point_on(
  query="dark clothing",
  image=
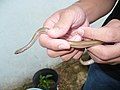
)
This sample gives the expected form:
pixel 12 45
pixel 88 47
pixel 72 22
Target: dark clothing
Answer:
pixel 98 79
pixel 109 68
pixel 104 77
pixel 115 14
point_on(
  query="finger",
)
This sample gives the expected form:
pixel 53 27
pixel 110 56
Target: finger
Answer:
pixel 61 27
pixel 53 53
pixel 50 22
pixel 106 52
pixel 78 55
pixel 103 34
pixel 54 44
pixel 68 56
pixel 96 59
pixel 111 61
pixel 114 61
pixel 66 20
pixel 113 23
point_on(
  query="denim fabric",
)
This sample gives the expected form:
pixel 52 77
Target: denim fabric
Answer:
pixel 98 79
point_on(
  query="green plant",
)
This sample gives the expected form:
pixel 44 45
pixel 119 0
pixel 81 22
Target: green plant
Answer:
pixel 45 82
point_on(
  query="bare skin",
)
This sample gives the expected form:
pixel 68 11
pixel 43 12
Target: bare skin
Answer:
pixel 68 20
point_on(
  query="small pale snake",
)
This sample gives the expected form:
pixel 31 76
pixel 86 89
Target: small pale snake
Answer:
pixel 74 44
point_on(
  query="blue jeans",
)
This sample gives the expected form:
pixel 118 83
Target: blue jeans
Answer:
pixel 103 77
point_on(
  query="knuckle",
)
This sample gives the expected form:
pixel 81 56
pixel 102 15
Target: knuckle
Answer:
pixel 115 22
pixel 73 10
pixel 69 12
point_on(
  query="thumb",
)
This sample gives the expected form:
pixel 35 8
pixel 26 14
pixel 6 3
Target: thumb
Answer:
pixel 103 34
pixel 62 26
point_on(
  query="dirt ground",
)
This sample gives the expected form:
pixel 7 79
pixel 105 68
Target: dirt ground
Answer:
pixel 72 75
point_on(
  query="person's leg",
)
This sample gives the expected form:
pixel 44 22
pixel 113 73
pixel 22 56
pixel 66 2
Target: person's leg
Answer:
pixel 98 80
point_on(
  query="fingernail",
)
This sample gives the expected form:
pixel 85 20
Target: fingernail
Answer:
pixel 81 32
pixel 76 38
pixel 63 46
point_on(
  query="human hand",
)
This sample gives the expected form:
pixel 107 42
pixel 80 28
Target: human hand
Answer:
pixel 110 34
pixel 62 25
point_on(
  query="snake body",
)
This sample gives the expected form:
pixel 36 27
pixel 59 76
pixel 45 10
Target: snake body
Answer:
pixel 74 44
pixel 32 41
